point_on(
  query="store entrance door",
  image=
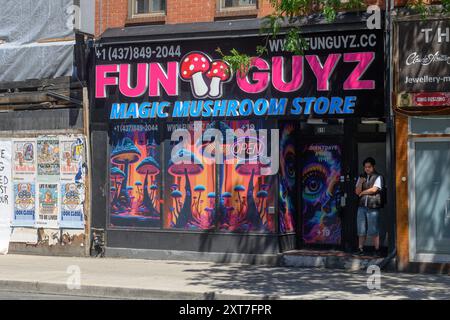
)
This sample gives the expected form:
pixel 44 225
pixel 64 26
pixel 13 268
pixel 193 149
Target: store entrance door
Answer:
pixel 321 193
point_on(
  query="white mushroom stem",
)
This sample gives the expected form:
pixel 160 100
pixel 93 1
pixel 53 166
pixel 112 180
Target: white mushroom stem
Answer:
pixel 214 90
pixel 199 85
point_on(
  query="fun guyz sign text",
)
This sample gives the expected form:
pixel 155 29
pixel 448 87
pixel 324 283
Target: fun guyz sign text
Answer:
pixel 278 85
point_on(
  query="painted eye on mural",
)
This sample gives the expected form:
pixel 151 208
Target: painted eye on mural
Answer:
pixel 313 181
pixel 290 165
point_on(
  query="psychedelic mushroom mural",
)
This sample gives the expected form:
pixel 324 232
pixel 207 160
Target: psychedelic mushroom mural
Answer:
pixel 138 185
pixel 261 195
pixel 199 189
pixel 252 169
pixel 148 167
pixel 228 207
pixel 176 195
pixel 210 210
pixel 116 176
pixel 239 188
pixel 112 192
pixel 153 190
pixel 187 165
pixel 124 154
pixel 201 217
pixel 134 168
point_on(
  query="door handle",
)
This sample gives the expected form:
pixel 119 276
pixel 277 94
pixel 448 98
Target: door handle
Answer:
pixel 343 200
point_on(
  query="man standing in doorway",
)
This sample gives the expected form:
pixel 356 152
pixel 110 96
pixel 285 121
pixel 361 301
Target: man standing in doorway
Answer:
pixel 368 188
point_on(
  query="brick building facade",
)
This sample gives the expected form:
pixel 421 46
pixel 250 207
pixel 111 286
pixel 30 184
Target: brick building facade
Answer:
pixel 112 14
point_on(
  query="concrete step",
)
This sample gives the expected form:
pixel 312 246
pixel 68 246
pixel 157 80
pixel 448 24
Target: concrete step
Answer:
pixel 327 259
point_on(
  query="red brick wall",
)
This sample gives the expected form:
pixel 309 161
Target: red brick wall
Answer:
pixel 114 13
pixel 188 11
pixel 110 14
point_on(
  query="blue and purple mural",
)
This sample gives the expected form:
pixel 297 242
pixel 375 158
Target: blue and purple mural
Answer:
pixel 321 193
pixel 287 178
pixel 134 176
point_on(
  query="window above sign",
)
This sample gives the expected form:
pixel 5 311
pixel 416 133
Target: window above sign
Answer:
pixel 146 7
pixel 236 8
pixel 237 4
pixel 146 11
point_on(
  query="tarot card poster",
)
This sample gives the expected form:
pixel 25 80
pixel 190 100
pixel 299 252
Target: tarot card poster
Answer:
pixel 24 153
pixel 72 215
pixel 24 204
pixel 71 156
pixel 48 205
pixel 48 158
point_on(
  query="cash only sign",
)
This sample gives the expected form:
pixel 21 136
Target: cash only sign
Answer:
pixel 340 75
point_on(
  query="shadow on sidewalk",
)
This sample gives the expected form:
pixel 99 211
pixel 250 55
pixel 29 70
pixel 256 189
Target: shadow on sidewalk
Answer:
pixel 323 283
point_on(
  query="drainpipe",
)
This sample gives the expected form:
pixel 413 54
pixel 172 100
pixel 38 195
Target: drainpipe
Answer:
pixel 389 43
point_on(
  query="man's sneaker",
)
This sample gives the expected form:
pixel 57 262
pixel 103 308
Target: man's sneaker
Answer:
pixel 359 252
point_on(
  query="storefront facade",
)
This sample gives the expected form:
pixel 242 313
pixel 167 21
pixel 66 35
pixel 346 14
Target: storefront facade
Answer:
pixel 293 132
pixel 422 106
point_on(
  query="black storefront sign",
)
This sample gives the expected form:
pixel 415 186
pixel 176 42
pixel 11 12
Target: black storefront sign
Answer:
pixel 341 75
pixel 423 64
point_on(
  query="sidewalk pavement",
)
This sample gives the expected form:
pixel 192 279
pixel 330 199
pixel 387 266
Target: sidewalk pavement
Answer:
pixel 151 279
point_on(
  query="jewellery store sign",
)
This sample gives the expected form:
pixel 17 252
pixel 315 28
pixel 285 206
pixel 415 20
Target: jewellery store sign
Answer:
pixel 423 63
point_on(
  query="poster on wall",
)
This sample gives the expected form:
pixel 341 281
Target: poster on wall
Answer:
pixel 24 153
pixel 321 193
pixel 6 197
pixel 24 214
pixel 135 179
pixel 287 178
pixel 48 158
pixel 48 205
pixel 190 195
pixel 71 156
pixel 72 215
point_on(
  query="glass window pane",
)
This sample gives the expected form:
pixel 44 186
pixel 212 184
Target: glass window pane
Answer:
pixel 142 6
pixel 432 194
pixel 149 6
pixel 237 3
pixel 430 125
pixel 158 5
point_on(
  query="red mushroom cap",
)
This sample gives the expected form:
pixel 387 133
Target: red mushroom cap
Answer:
pixel 219 69
pixel 193 63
